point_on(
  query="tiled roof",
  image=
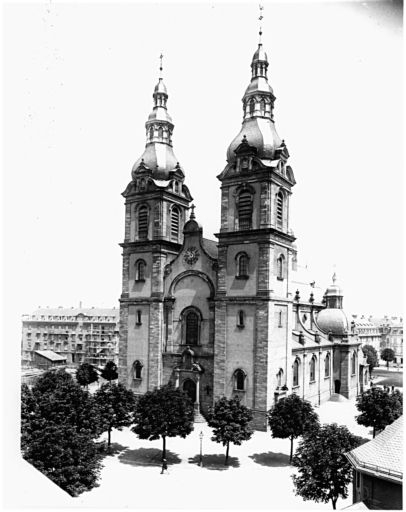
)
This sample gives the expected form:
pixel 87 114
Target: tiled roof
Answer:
pixel 383 455
pixel 48 354
pixel 211 247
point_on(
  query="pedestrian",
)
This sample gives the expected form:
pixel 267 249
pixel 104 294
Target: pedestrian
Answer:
pixel 164 467
pixel 393 389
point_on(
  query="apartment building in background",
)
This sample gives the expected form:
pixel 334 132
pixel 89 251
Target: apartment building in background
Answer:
pixel 80 334
pixel 367 332
pixel 391 332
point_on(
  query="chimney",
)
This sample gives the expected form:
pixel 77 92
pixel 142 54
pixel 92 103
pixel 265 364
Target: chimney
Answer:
pixel 80 305
pixel 354 316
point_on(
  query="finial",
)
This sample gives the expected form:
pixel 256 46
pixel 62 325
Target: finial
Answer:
pixel 261 8
pixel 160 67
pixel 192 215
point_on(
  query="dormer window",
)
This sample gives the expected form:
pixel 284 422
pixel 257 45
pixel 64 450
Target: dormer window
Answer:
pixel 244 163
pixel 143 185
pixel 176 187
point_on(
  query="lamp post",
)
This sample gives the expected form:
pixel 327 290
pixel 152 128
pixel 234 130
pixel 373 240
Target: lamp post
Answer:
pixel 201 456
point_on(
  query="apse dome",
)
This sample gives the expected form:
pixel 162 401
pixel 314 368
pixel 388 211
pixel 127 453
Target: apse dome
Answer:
pixel 334 320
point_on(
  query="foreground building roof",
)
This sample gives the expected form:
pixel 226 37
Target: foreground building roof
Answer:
pixel 383 456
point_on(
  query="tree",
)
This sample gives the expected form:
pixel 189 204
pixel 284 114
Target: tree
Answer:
pixel 388 355
pixel 109 372
pixel 164 412
pixel 116 405
pixel 59 425
pixel 86 374
pixel 379 408
pixel 324 471
pixel 291 417
pixel 230 419
pixel 371 356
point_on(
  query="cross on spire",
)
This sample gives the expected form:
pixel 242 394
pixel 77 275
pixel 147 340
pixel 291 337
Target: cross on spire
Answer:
pixel 160 67
pixel 261 8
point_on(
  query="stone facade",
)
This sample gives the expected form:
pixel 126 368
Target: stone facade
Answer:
pixel 226 318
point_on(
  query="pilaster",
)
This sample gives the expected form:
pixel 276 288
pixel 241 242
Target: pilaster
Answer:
pixel 219 371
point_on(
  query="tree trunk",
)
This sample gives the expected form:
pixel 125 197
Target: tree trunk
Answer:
pixel 291 449
pixel 334 501
pixel 164 448
pixel 109 437
pixel 373 435
pixel 228 448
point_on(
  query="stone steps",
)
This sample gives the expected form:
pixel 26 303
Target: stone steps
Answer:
pixel 336 397
pixel 199 418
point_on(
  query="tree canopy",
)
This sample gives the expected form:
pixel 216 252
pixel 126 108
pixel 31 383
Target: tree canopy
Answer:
pixel 379 408
pixel 323 470
pixel 291 417
pixel 109 372
pixel 230 419
pixel 116 405
pixel 371 356
pixel 164 412
pixel 388 355
pixel 59 425
pixel 86 374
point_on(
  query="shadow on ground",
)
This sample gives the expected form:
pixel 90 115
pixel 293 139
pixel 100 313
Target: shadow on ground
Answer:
pixel 115 448
pixel 215 461
pixel 147 456
pixel 271 459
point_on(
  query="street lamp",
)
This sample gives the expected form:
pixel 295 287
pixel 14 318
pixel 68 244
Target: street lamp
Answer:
pixel 201 456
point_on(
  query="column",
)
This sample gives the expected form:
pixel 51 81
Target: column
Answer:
pixel 197 403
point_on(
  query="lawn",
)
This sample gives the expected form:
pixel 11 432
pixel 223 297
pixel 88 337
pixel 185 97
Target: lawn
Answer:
pixel 385 378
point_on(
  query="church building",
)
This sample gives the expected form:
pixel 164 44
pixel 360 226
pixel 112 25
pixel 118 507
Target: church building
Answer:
pixel 235 316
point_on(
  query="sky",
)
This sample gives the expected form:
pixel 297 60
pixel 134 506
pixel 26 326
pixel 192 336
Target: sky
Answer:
pixel 78 84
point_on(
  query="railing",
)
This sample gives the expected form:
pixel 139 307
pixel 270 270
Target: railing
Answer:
pixel 377 469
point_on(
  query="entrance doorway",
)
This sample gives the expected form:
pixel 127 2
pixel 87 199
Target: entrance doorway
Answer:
pixel 190 387
pixel 337 385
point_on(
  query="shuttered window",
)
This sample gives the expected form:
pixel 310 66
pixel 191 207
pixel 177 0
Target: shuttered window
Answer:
pixel 245 210
pixel 143 222
pixel 279 210
pixel 175 224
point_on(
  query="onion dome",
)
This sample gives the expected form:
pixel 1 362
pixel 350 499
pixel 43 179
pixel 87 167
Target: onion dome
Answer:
pixel 258 104
pixel 158 155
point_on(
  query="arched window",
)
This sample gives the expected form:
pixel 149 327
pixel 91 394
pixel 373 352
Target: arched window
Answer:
pixel 151 133
pixel 280 266
pixel 192 328
pixel 239 380
pixel 279 210
pixel 143 220
pixel 313 369
pixel 353 361
pixel 245 210
pixel 244 163
pixel 296 373
pixel 242 265
pixel 140 270
pixel 138 317
pixel 143 186
pixel 160 133
pixel 262 107
pixel 137 368
pixel 175 224
pixel 327 366
pixel 240 318
pixel 176 187
pixel 252 107
pixel 279 377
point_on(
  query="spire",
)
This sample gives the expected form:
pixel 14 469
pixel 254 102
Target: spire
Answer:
pixel 158 155
pixel 258 105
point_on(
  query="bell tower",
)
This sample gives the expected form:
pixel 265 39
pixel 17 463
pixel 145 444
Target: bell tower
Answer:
pixel 156 210
pixel 256 253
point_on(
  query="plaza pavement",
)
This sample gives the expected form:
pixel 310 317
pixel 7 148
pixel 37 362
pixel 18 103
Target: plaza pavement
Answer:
pixel 258 475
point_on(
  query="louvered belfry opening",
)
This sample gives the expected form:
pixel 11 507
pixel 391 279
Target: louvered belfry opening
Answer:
pixel 245 210
pixel 143 223
pixel 279 210
pixel 175 224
